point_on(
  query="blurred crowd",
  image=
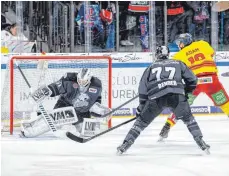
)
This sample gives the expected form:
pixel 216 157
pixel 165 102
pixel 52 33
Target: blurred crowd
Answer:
pixel 121 26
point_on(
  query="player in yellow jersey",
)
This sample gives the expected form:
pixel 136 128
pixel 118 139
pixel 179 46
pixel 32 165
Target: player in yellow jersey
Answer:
pixel 198 56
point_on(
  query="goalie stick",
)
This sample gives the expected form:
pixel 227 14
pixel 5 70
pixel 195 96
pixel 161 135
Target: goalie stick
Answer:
pixel 47 118
pixel 84 140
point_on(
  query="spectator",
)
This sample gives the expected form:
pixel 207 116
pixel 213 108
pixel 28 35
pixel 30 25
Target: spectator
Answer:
pixel 180 17
pixel 10 33
pixel 175 13
pixel 200 16
pixel 140 9
pixel 124 28
pixel 15 42
pixel 109 20
pixel 95 23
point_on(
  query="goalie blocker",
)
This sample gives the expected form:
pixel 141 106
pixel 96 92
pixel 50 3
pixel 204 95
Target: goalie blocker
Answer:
pixel 80 91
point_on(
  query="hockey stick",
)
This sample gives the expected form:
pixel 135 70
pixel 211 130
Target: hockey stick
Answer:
pixel 84 140
pixel 47 118
pixel 120 106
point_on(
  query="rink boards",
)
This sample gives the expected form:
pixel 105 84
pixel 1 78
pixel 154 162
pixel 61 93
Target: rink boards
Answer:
pixel 127 69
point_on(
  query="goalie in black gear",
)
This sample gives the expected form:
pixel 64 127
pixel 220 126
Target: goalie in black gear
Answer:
pixel 79 100
pixel 161 86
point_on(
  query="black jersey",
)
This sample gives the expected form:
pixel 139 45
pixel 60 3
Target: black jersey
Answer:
pixel 165 76
pixel 68 89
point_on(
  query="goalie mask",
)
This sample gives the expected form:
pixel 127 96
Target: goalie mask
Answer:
pixel 84 79
pixel 162 52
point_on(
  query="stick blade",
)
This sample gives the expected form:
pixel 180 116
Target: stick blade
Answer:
pixel 75 138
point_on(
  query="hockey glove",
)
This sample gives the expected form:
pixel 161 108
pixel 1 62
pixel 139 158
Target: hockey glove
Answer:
pixel 189 89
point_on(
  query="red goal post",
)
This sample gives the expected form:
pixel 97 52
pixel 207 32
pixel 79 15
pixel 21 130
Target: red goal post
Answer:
pixel 41 70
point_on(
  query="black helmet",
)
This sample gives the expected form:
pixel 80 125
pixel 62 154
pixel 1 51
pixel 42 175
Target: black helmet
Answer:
pixel 162 52
pixel 184 40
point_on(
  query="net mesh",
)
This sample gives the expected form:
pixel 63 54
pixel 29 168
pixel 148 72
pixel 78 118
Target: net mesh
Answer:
pixel 43 72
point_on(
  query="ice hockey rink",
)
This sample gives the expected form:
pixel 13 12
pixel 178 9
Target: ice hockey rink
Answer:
pixel 178 155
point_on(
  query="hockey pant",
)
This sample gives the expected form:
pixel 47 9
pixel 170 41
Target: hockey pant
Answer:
pixel 179 105
pixel 211 86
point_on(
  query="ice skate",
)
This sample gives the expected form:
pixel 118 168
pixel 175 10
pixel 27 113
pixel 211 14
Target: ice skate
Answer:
pixel 164 132
pixel 203 146
pixel 124 147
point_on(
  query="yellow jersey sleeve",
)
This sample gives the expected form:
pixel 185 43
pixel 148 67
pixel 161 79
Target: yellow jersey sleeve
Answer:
pixel 207 48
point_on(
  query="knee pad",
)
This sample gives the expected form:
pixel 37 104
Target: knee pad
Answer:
pixel 183 111
pixel 188 120
pixel 135 131
pixel 194 128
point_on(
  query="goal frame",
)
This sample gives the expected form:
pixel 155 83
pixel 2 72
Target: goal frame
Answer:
pixel 63 57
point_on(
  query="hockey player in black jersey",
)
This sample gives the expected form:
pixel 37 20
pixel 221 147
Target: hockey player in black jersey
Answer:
pixel 161 87
pixel 79 99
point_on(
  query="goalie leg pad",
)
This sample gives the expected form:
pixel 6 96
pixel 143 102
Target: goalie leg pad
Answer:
pixel 37 125
pixel 64 116
pixel 92 126
pixel 34 128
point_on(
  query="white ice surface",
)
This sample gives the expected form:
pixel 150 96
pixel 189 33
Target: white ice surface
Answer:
pixel 179 155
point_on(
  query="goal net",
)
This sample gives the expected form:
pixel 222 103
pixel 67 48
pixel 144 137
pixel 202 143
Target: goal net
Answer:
pixel 43 70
